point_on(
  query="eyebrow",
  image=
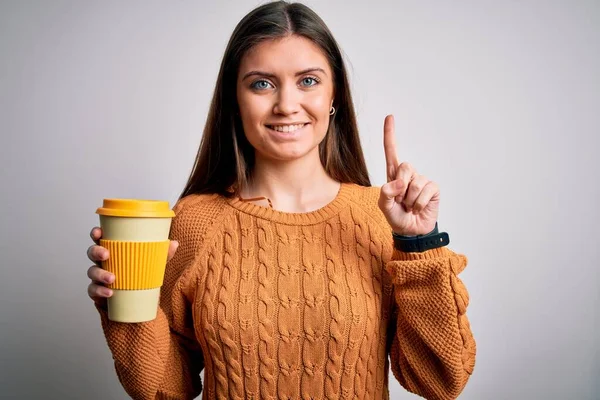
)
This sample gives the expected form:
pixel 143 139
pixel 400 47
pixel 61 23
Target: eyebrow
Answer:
pixel 268 75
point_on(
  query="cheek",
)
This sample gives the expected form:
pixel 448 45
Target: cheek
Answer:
pixel 319 103
pixel 253 110
pixel 318 107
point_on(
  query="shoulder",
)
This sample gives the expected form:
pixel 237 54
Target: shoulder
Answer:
pixel 195 214
pixel 364 196
pixel 199 204
pixel 364 202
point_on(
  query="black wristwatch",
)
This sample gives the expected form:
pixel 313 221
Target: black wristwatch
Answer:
pixel 421 243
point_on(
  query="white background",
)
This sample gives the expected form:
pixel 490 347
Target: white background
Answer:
pixel 498 102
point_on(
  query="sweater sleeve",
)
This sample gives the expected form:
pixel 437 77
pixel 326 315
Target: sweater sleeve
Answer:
pixel 161 359
pixel 433 350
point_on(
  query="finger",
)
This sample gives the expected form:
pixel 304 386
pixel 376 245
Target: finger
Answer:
pixel 391 190
pixel 97 254
pixel 389 146
pixel 387 193
pixel 431 192
pixel 100 275
pixel 404 174
pixel 96 234
pixel 414 190
pixel 172 249
pixel 97 292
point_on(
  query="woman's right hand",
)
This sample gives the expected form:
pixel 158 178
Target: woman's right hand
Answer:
pixel 97 289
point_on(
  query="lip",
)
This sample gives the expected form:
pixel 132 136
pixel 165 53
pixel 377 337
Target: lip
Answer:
pixel 287 123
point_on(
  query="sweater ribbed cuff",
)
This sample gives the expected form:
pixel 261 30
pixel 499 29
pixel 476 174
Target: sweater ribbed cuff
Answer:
pixel 103 311
pixel 426 255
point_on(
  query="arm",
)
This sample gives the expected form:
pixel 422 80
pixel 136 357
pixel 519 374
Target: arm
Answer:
pixel 433 350
pixel 161 359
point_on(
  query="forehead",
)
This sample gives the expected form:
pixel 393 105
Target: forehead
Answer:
pixel 289 54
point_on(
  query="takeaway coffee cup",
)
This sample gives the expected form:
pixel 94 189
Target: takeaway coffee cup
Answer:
pixel 136 234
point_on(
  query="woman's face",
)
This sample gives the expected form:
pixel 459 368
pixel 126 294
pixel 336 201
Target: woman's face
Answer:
pixel 285 92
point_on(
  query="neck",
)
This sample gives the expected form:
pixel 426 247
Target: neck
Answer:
pixel 300 185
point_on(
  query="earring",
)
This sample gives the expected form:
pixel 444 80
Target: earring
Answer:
pixel 332 110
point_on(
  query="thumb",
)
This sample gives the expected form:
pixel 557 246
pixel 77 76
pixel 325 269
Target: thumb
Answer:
pixel 172 249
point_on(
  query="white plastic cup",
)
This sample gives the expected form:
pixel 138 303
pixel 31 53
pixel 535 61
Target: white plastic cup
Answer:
pixel 136 234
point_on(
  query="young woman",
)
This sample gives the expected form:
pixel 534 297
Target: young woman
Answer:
pixel 289 277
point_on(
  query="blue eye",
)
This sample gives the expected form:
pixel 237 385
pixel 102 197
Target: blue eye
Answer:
pixel 261 84
pixel 309 81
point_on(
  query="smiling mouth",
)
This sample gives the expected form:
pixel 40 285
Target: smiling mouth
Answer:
pixel 286 128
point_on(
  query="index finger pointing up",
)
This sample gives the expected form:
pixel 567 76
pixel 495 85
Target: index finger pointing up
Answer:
pixel 389 145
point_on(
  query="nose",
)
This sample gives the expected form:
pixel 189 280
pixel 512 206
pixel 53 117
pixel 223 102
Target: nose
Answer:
pixel 287 100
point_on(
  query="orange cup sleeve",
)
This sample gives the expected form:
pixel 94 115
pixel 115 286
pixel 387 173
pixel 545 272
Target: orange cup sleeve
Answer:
pixel 136 265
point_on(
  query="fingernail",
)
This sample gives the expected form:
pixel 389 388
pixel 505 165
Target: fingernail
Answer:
pixel 108 292
pixel 109 279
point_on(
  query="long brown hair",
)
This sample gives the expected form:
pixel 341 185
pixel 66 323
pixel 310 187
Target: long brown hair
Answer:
pixel 225 158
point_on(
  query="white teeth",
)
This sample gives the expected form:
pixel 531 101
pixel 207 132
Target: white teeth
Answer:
pixel 287 128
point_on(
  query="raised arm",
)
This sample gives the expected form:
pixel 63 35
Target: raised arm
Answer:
pixel 433 350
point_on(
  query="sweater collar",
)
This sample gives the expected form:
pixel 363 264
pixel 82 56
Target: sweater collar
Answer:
pixel 307 218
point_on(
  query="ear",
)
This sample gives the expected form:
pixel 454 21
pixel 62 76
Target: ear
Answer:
pixel 332 97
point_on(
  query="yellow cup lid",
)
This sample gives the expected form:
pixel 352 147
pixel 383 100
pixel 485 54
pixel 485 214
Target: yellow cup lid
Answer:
pixel 135 208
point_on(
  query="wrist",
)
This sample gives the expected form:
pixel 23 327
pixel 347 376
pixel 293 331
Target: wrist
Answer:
pixel 402 235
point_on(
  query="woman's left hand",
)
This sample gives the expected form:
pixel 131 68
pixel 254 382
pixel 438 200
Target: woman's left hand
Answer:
pixel 409 201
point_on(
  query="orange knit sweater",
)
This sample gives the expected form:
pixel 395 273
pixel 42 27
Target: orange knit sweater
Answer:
pixel 317 305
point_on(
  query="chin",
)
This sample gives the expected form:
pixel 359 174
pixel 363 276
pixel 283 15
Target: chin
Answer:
pixel 289 153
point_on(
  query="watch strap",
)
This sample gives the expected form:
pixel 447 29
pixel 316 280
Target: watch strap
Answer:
pixel 421 243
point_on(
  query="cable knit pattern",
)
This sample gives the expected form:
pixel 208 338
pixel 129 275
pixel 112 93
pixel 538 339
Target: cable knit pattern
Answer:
pixel 313 284
pixel 210 336
pixel 247 307
pixel 289 317
pixel 337 305
pixel 363 372
pixel 357 310
pixel 266 312
pixel 276 305
pixel 226 312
